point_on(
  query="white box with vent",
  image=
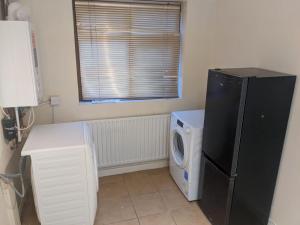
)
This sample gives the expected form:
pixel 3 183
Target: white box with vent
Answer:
pixel 20 82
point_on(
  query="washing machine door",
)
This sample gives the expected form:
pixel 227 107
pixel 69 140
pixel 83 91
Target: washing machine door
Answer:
pixel 179 147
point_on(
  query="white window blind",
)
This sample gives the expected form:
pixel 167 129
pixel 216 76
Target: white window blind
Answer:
pixel 127 50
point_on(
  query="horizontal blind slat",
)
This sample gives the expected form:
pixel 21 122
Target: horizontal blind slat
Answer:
pixel 128 50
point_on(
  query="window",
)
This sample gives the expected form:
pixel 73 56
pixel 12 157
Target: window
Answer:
pixel 127 50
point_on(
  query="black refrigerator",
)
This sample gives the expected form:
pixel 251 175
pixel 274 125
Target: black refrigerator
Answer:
pixel 246 117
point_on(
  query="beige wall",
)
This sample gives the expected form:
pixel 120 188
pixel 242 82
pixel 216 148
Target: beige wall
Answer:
pixel 5 207
pixel 230 33
pixel 265 33
pixel 5 155
pixel 5 152
pixel 54 25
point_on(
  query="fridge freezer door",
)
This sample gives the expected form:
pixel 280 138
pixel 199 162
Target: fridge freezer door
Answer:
pixel 217 193
pixel 224 102
pixel 264 126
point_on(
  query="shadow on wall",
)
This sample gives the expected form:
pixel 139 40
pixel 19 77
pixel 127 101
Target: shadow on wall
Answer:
pixel 2 9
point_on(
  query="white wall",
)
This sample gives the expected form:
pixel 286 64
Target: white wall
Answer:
pixel 54 25
pixel 265 33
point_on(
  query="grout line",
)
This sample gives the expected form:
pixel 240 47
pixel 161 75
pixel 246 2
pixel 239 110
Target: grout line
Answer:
pixel 131 200
pixel 131 196
pixel 173 219
pixel 133 206
pixel 121 221
pixel 163 202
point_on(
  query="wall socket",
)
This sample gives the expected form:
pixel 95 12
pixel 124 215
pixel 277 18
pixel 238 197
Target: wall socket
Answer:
pixel 55 100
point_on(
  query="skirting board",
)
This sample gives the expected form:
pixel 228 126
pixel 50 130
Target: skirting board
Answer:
pixel 132 167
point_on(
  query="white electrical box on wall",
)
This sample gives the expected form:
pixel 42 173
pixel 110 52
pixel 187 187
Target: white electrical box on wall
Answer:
pixel 20 81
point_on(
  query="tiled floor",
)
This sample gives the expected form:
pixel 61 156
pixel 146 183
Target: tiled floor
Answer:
pixel 141 198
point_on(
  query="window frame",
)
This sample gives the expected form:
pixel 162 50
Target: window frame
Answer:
pixel 117 100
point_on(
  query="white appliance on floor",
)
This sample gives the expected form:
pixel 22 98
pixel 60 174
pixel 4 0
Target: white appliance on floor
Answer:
pixel 185 145
pixel 64 173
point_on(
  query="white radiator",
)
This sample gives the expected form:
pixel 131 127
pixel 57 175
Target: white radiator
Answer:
pixel 131 140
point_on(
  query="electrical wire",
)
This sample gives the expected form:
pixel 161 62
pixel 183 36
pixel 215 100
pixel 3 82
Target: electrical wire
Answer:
pixel 4 113
pixel 53 114
pixel 8 178
pixel 31 120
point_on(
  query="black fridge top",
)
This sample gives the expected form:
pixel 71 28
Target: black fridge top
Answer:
pixel 251 72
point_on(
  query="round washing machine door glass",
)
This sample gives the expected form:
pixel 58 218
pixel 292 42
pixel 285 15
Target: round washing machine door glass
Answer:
pixel 179 148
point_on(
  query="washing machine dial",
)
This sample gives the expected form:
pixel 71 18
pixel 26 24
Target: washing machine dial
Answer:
pixel 187 130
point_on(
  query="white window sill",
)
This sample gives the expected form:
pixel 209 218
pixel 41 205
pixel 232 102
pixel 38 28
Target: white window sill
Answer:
pixel 112 101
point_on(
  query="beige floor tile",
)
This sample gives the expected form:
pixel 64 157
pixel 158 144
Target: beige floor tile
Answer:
pixel 30 222
pixel 198 211
pixel 189 216
pixel 117 207
pixel 140 188
pixel 139 175
pixel 113 210
pixel 159 171
pixel 163 182
pixel 148 204
pixel 111 179
pixel 113 190
pixel 29 216
pixel 30 219
pixel 174 199
pixel 128 222
pixel 139 183
pixel 157 219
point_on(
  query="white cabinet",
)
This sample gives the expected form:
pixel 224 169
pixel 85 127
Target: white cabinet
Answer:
pixel 20 81
pixel 64 173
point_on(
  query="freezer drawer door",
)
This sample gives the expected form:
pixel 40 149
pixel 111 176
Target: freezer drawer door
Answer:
pixel 217 194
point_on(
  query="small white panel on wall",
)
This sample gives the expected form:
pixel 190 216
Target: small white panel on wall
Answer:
pixel 20 83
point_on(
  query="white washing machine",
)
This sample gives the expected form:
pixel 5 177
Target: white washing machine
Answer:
pixel 185 156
